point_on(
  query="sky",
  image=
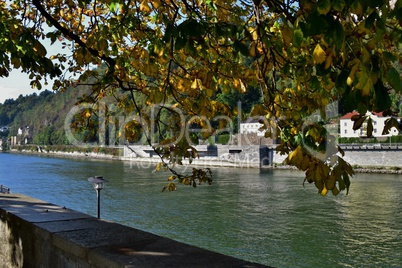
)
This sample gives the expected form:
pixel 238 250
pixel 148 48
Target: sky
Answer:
pixel 17 83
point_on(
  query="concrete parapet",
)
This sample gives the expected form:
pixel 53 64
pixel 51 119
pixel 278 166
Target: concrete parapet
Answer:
pixel 34 233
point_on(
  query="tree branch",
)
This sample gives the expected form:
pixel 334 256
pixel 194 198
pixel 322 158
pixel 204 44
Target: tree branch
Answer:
pixel 111 62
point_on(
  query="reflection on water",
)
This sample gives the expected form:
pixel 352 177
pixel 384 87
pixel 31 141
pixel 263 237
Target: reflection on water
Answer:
pixel 262 216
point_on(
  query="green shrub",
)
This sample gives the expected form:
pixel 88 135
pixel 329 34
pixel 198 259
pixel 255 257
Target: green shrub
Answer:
pixel 223 138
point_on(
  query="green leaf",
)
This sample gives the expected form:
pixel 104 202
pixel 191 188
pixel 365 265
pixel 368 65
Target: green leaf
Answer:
pixel 338 5
pixel 340 82
pixel 394 79
pixel 241 47
pixel 314 25
pixel 113 7
pixel 314 83
pixel 335 191
pixel 369 22
pixel 382 100
pixel 357 7
pixel 324 6
pixel 180 43
pixel 171 31
pixel 339 35
pixel 297 37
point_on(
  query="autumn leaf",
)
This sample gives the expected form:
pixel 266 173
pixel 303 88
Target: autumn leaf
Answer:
pixel 197 56
pixel 319 54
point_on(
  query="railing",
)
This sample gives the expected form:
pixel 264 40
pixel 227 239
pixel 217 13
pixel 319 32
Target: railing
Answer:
pixel 371 146
pixel 4 189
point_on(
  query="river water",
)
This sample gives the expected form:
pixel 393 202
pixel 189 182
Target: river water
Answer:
pixel 263 216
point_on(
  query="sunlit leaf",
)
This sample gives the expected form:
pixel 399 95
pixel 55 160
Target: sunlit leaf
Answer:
pixel 319 54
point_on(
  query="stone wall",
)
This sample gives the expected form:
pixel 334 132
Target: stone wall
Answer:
pixel 249 156
pixel 374 158
pixel 34 233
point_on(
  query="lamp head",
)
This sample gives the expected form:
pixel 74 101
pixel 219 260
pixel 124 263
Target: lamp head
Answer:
pixel 97 182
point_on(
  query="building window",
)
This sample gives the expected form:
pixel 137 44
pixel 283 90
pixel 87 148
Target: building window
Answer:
pixel 346 131
pixel 345 124
pixel 375 122
pixel 375 130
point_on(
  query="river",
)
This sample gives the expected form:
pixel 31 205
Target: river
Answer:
pixel 263 216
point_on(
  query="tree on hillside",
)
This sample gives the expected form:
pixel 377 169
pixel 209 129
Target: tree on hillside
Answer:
pixel 302 55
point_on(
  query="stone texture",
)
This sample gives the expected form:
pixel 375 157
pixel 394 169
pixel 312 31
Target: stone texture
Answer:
pixel 34 233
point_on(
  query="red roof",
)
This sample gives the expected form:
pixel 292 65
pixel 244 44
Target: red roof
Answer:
pixel 349 115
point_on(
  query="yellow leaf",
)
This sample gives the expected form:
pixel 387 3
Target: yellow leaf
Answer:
pixel 296 156
pixel 319 54
pixel 349 81
pixel 159 166
pixel 324 191
pixel 259 110
pixel 158 49
pixel 242 86
pixel 156 3
pixel 236 83
pixel 194 85
pixel 144 7
pixel 254 33
pixel 253 50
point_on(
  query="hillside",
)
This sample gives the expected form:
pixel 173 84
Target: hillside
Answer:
pixel 41 117
pixel 42 113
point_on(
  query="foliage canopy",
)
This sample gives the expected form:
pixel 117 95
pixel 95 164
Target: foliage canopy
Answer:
pixel 302 55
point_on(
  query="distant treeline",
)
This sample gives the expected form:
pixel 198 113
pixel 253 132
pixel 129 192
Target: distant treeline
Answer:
pixel 44 113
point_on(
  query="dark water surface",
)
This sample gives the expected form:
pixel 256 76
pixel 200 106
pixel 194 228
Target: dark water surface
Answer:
pixel 258 215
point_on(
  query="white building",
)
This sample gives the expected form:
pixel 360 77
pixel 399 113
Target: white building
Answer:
pixel 346 126
pixel 251 126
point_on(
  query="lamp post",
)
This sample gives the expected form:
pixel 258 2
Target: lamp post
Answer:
pixel 97 183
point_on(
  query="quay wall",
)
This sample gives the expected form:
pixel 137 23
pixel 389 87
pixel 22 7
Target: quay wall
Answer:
pixel 256 156
pixel 34 233
pixel 374 158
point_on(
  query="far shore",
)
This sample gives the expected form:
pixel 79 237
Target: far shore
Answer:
pixel 204 161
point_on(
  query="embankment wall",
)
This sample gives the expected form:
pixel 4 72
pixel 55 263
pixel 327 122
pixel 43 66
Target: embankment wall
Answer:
pixel 374 158
pixel 34 233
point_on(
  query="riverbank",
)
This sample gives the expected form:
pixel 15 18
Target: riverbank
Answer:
pixel 230 162
pixel 70 152
pixel 35 233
